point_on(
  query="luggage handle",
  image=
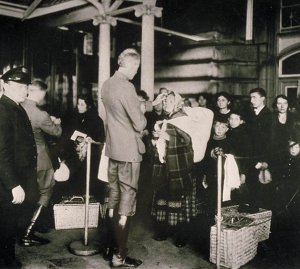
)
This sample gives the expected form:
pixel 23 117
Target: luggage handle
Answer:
pixel 74 198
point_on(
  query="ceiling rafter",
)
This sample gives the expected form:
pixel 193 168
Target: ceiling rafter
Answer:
pixel 31 8
pixel 115 5
pixel 6 3
pixel 167 31
pixel 84 14
pixel 42 11
pixel 106 4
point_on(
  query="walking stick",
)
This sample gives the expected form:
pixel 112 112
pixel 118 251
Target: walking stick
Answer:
pixel 77 247
pixel 219 210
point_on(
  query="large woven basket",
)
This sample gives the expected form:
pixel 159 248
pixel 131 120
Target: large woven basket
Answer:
pixel 71 215
pixel 237 246
pixel 261 220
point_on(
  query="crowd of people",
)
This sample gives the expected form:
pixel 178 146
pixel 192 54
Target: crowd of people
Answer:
pixel 180 140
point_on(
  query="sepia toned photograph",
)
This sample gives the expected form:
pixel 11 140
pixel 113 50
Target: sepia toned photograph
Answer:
pixel 152 134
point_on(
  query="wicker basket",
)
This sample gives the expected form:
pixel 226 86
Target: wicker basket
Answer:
pixel 70 214
pixel 237 246
pixel 261 224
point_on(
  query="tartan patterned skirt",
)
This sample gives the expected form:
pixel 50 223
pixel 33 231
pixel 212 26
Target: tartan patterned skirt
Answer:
pixel 174 212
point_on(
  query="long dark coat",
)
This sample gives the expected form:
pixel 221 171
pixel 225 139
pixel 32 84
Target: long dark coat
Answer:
pixel 18 155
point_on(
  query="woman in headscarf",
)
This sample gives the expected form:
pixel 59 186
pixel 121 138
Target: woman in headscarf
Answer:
pixel 174 185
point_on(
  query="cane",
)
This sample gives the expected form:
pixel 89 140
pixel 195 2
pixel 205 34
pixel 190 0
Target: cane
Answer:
pixel 77 247
pixel 219 217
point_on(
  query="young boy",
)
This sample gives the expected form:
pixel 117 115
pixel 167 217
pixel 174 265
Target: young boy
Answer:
pixel 240 148
pixel 217 145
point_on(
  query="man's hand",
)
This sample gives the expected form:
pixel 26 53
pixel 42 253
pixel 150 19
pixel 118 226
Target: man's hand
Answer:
pixel 18 195
pixel 56 121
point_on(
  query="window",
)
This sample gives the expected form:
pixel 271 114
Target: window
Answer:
pixel 289 66
pixel 290 14
pixel 291 92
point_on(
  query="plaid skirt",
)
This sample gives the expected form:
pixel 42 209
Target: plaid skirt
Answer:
pixel 174 212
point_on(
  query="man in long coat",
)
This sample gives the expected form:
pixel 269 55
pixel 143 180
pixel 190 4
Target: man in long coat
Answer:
pixel 18 157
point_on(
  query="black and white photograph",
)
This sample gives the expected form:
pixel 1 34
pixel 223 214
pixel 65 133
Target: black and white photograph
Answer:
pixel 151 134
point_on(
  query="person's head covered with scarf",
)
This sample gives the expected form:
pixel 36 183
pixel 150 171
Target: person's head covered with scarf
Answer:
pixel 173 103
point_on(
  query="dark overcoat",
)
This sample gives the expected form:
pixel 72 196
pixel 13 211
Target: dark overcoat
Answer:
pixel 18 154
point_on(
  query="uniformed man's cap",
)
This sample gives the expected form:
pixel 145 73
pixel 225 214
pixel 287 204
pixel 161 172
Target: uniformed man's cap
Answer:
pixel 18 74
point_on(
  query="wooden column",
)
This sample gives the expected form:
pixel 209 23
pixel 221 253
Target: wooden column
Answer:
pixel 249 21
pixel 104 64
pixel 104 56
pixel 148 12
pixel 147 57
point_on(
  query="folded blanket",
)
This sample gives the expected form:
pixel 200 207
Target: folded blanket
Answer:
pixel 197 124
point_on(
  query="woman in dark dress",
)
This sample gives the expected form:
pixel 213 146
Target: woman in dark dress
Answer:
pixel 223 106
pixel 282 125
pixel 84 119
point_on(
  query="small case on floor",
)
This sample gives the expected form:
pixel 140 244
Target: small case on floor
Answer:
pixel 70 213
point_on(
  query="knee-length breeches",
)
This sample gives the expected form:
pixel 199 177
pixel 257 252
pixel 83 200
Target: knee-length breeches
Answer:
pixel 123 184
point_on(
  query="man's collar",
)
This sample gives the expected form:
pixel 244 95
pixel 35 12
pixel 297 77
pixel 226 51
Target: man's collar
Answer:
pixel 258 109
pixel 10 98
pixel 31 100
pixel 122 73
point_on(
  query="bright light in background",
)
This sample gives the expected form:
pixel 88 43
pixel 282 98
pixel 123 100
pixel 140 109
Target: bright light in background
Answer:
pixel 64 28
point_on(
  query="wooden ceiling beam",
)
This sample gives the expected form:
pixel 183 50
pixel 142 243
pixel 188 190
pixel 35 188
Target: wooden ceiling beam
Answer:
pixel 106 4
pixel 6 3
pixel 122 10
pixel 196 38
pixel 31 8
pixel 115 5
pixel 11 12
pixel 42 11
pixel 84 14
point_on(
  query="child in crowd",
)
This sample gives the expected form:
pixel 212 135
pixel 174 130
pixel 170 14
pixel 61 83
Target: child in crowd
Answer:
pixel 240 148
pixel 286 208
pixel 286 178
pixel 217 145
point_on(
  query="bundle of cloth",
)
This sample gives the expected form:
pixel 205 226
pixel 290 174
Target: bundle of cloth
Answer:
pixel 197 123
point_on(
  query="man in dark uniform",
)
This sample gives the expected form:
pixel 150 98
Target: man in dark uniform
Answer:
pixel 18 184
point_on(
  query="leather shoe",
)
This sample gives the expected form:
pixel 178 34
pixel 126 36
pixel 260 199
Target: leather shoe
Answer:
pixel 160 237
pixel 127 262
pixel 33 240
pixel 179 243
pixel 108 254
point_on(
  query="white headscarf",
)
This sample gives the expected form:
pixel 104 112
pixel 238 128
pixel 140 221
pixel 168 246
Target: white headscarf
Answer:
pixel 178 102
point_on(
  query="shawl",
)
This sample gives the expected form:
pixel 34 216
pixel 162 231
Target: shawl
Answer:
pixel 176 173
